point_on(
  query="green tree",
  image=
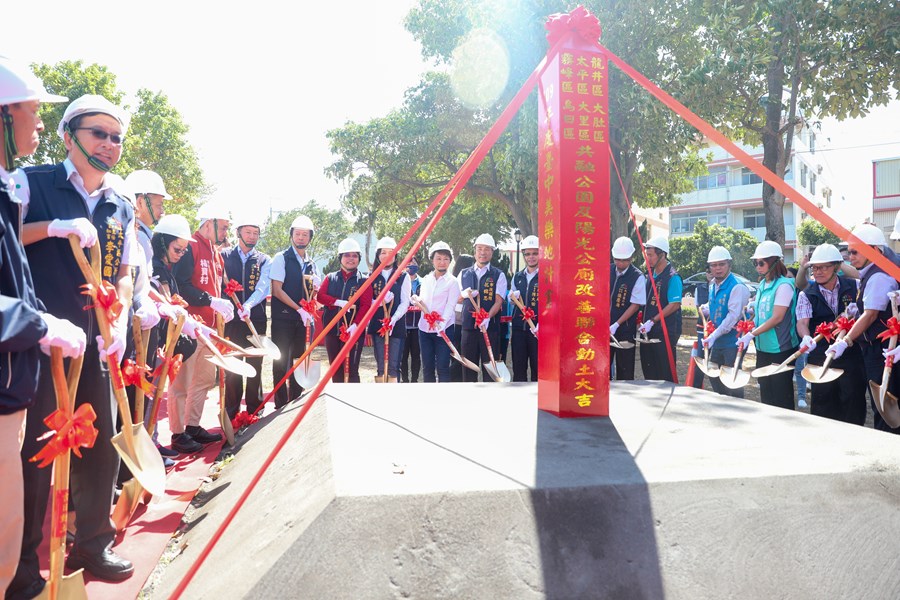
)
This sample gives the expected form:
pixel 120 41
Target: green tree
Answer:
pixel 689 252
pixel 812 233
pixel 779 64
pixel 331 227
pixel 156 138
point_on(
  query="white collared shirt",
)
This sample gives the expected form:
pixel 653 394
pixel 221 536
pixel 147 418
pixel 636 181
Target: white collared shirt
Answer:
pixel 440 294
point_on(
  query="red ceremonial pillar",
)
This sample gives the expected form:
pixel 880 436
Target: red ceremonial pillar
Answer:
pixel 574 230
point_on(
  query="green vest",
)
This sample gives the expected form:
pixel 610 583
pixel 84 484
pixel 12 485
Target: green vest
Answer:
pixel 783 336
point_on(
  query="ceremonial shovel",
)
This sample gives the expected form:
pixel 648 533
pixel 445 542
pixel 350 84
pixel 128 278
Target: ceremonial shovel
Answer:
pixel 350 311
pixel 704 365
pixel 67 587
pixel 889 411
pixel 823 374
pixel 224 421
pixel 497 371
pixel 260 341
pixel 735 377
pixel 141 341
pixel 133 443
pixel 784 367
pixel 453 351
pixel 386 311
pixel 642 338
pixel 309 373
pixel 229 363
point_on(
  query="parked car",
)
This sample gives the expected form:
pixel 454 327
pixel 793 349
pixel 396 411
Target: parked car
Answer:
pixel 691 283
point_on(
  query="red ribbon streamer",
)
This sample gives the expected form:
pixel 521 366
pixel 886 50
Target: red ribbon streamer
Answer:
pixel 67 433
pixel 579 21
pixel 481 316
pixel 744 327
pixel 893 329
pixel 135 375
pixel 825 330
pixel 433 318
pixel 233 286
pixel 174 365
pixel 243 419
pixel 385 327
pixel 106 297
pixel 343 334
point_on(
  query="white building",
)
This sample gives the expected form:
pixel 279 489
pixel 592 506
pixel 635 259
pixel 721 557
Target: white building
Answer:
pixel 731 194
pixel 886 194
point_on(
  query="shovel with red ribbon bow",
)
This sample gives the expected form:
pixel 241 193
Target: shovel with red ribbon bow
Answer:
pixel 497 371
pixel 709 369
pixel 735 377
pixel 824 373
pixel 260 341
pixel 885 402
pixel 344 336
pixel 433 319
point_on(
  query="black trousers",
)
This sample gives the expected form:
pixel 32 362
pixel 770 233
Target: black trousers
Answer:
pixel 655 361
pixel 474 348
pixel 334 345
pixel 524 354
pixel 290 337
pixel 874 365
pixel 237 331
pixel 843 399
pixel 624 360
pixel 776 390
pixel 92 477
pixel 412 357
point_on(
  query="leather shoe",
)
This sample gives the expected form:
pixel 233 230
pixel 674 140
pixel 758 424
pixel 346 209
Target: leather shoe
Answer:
pixel 166 452
pixel 201 435
pixel 106 565
pixel 185 444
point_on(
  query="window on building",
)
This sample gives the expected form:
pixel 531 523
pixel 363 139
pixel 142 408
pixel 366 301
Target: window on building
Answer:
pixel 718 177
pixel 812 142
pixel 812 183
pixel 748 177
pixel 803 171
pixel 685 222
pixel 754 217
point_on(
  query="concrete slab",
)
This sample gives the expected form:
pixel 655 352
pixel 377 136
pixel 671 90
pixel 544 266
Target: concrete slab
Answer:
pixel 466 490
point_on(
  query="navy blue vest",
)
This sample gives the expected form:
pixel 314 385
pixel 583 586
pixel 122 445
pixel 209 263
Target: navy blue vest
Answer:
pixel 342 290
pixel 247 274
pixel 870 335
pixel 413 314
pixel 57 278
pixel 673 321
pixel 620 299
pixel 530 299
pixel 375 324
pixel 294 286
pixel 822 313
pixel 487 290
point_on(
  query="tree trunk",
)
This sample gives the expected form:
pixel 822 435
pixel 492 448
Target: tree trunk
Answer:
pixel 773 148
pixel 619 215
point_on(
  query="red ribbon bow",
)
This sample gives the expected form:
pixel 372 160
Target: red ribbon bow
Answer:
pixel 309 306
pixel 579 21
pixel 433 318
pixel 824 329
pixel 528 314
pixel 343 335
pixel 67 433
pixel 844 324
pixel 233 286
pixel 893 329
pixel 744 327
pixel 710 327
pixel 481 316
pixel 174 365
pixel 134 375
pixel 385 327
pixel 177 300
pixel 106 297
pixel 243 419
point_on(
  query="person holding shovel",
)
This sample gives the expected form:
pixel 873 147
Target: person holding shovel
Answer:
pixel 654 356
pixel 524 339
pixel 397 303
pixel 250 268
pixel 334 293
pixel 873 301
pixel 484 287
pixel 627 294
pixel 438 295
pixel 76 197
pixel 822 302
pixel 727 299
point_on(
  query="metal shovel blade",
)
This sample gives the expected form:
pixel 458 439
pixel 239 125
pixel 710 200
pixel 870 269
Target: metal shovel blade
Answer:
pixel 820 374
pixel 773 369
pixel 234 365
pixel 252 352
pixel 227 428
pixel 129 500
pixel 733 378
pixel 308 373
pixel 71 587
pixel 266 344
pixel 147 466
pixel 466 362
pixel 621 345
pixel 708 369
pixel 889 409
pixel 503 371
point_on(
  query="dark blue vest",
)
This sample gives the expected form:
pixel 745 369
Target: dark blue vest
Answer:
pixel 822 313
pixel 413 314
pixel 57 278
pixel 673 321
pixel 530 298
pixel 294 286
pixel 621 288
pixel 487 290
pixel 375 324
pixel 247 274
pixel 342 290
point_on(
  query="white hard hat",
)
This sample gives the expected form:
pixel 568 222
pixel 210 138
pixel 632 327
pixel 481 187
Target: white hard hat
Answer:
pixel 659 242
pixel 19 84
pixel 91 103
pixel 386 243
pixel 895 235
pixel 768 249
pixel 174 225
pixel 718 253
pixel 870 234
pixel 119 186
pixel 485 239
pixel 349 245
pixel 531 243
pixel 825 253
pixel 440 246
pixel 248 222
pixel 212 210
pixel 623 248
pixel 303 222
pixel 143 181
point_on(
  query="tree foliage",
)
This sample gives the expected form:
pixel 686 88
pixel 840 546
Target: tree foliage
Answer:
pixel 331 227
pixel 689 252
pixel 156 138
pixel 812 233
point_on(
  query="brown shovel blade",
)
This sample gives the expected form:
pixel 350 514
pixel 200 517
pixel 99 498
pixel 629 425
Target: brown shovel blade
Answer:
pixel 466 362
pixel 266 344
pixel 227 428
pixel 733 378
pixel 708 369
pixel 769 370
pixel 308 373
pixel 233 365
pixel 820 374
pixel 71 587
pixel 889 409
pixel 129 500
pixel 147 465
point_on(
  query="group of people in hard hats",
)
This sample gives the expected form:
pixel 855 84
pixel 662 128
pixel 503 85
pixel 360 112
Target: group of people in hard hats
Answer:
pixel 836 311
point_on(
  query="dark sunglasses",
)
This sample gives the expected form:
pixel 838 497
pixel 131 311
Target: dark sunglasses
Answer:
pixel 853 252
pixel 101 135
pixel 760 263
pixel 179 251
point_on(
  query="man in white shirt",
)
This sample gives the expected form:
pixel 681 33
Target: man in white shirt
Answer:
pixel 439 294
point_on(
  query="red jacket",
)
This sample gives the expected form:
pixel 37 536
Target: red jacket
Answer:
pixel 207 276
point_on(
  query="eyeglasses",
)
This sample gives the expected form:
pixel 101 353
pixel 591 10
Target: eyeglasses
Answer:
pixel 101 135
pixel 853 252
pixel 760 263
pixel 816 268
pixel 179 251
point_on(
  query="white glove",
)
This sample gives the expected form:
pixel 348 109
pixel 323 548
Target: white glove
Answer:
pixel 646 326
pixel 613 328
pixel 389 297
pixel 837 348
pixel 894 296
pixel 704 308
pixel 467 293
pixel 710 339
pixel 351 329
pixel 534 330
pixel 744 340
pixel 485 324
pixel 62 334
pixel 807 345
pixel 192 327
pixel 852 310
pixel 414 299
pixel 116 347
pixel 81 227
pixel 243 312
pixel 305 317
pixel 515 294
pixel 223 307
pixel 148 314
pixel 340 303
pixel 892 354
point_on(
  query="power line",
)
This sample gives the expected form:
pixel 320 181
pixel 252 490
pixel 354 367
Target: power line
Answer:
pixel 846 148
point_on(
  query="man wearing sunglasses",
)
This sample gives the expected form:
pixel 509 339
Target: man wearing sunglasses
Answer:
pixel 525 288
pixel 77 197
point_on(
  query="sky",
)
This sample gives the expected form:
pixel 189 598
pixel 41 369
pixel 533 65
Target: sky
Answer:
pixel 260 87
